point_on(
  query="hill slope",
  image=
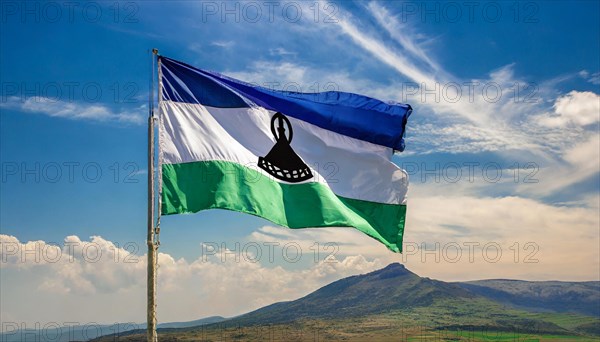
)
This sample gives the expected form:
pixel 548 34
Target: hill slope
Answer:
pixel 555 296
pixel 195 323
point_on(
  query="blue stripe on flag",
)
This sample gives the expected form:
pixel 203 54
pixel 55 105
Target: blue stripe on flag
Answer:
pixel 356 116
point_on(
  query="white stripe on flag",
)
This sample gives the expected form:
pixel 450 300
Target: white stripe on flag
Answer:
pixel 352 168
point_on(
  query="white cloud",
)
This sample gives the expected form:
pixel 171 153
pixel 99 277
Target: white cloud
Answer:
pixel 584 159
pixel 186 290
pixel 565 237
pixel 72 110
pixel 575 108
pixel 74 266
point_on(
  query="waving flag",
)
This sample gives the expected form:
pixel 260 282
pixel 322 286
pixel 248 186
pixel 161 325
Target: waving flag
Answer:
pixel 299 160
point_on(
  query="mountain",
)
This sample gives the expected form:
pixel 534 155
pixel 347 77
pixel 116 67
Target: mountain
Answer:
pixel 394 291
pixel 556 296
pixel 388 289
pixel 385 303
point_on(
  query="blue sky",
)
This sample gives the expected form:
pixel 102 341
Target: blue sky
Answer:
pixel 75 88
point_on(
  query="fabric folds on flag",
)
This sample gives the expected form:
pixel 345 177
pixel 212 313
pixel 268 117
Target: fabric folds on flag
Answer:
pixel 299 160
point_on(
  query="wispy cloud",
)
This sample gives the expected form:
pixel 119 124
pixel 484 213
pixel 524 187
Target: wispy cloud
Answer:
pixel 281 52
pixel 223 44
pixel 592 78
pixel 400 33
pixel 595 78
pixel 384 53
pixel 72 110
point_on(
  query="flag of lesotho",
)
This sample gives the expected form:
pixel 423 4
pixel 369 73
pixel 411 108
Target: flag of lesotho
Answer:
pixel 299 160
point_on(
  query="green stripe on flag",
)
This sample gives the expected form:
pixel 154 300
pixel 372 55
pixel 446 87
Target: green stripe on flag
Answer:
pixel 196 186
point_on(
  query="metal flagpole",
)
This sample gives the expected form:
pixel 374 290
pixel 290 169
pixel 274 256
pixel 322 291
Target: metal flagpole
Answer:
pixel 151 239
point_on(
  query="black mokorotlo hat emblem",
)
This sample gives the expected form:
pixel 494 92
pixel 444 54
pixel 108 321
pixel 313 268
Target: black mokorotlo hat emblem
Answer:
pixel 282 162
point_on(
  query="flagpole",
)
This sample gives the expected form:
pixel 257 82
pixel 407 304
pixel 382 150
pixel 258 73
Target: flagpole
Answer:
pixel 151 239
